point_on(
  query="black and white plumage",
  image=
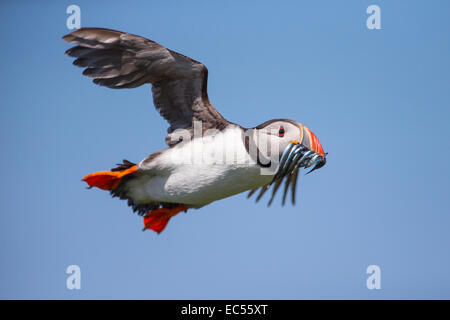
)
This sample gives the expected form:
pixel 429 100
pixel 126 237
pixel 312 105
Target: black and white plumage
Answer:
pixel 194 170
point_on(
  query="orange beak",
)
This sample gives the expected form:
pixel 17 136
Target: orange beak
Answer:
pixel 310 140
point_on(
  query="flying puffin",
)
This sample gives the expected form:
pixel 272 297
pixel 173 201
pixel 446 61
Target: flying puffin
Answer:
pixel 208 158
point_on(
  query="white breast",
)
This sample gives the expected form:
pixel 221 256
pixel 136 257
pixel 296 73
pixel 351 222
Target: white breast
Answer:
pixel 199 172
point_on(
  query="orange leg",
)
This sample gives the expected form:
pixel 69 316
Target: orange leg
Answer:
pixel 158 219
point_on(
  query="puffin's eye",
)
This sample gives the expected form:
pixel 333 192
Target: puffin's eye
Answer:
pixel 281 132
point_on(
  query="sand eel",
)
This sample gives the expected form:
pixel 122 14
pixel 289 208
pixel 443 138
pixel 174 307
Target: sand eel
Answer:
pixel 208 158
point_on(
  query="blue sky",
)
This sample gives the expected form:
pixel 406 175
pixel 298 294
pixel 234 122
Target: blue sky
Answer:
pixel 378 100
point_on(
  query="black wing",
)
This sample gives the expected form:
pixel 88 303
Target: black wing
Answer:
pixel 120 60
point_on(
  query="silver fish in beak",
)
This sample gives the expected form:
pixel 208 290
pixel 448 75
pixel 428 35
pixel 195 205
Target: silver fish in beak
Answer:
pixel 297 155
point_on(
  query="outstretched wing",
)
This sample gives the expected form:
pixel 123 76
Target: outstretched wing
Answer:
pixel 120 60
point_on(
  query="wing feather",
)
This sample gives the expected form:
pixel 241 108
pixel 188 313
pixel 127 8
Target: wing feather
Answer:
pixel 120 60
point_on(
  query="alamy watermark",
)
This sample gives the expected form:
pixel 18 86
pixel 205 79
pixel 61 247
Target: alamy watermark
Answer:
pixel 74 20
pixel 233 146
pixel 373 22
pixel 374 280
pixel 73 281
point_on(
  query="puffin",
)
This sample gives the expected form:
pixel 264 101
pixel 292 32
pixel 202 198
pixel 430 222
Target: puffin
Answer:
pixel 207 158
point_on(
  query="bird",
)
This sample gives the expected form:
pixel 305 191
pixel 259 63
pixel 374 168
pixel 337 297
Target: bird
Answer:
pixel 207 158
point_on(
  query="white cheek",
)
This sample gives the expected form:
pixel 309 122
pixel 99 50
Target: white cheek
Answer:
pixel 295 136
pixel 290 138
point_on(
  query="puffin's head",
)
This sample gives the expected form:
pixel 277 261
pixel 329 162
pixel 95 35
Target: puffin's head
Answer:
pixel 296 145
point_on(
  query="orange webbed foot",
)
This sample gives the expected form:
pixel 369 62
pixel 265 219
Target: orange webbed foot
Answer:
pixel 158 219
pixel 107 180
